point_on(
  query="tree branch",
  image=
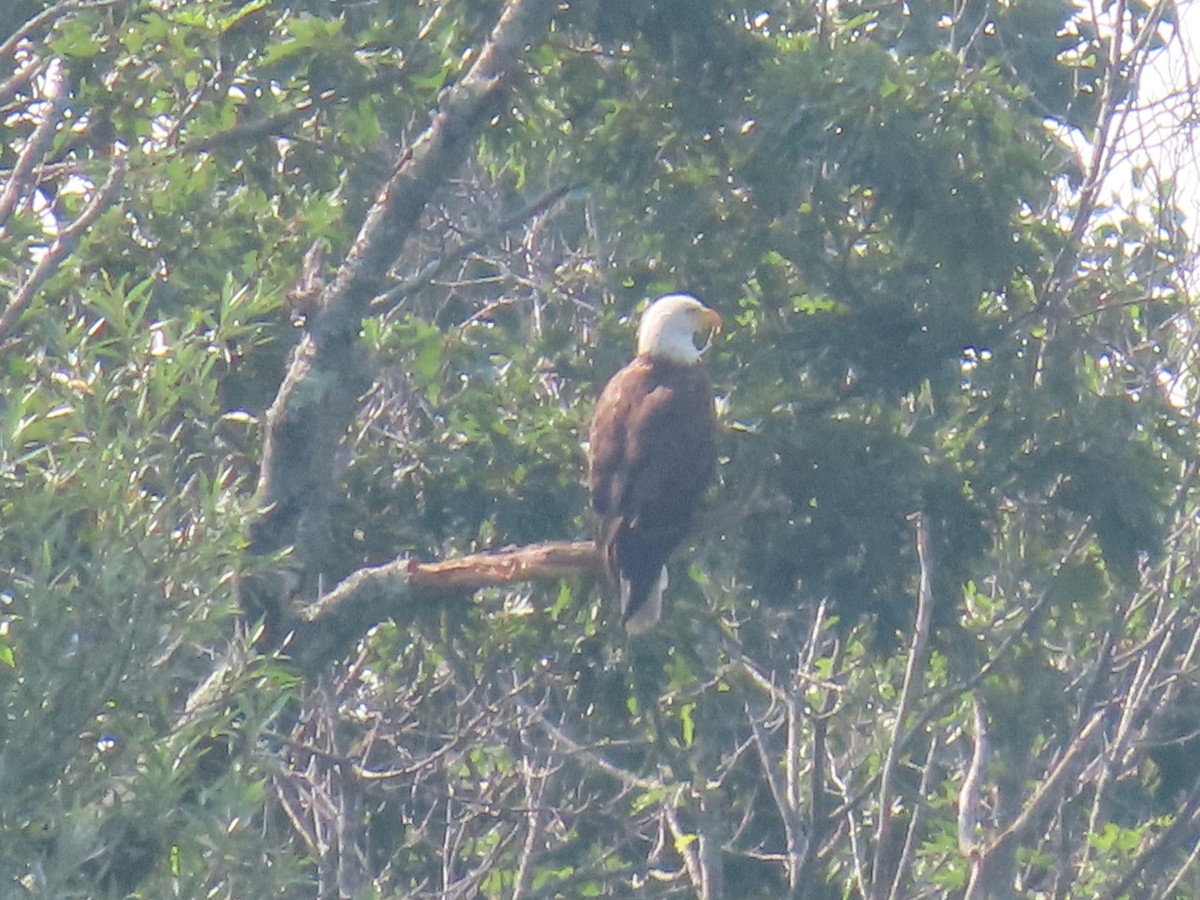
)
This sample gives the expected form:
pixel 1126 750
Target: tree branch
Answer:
pixel 326 376
pixel 64 245
pixel 881 876
pixel 1181 832
pixel 323 630
pixel 54 98
pixel 1049 786
pixel 49 14
pixel 422 278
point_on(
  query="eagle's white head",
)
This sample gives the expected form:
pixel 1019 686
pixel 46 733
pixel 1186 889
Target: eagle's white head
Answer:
pixel 669 327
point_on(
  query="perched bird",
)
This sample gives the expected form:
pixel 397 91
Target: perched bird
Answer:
pixel 652 452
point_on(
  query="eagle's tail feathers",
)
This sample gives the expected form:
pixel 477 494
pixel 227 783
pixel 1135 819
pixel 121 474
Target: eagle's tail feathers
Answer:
pixel 641 611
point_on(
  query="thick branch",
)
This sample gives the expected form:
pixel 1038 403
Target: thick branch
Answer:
pixel 537 562
pixel 325 629
pixel 319 395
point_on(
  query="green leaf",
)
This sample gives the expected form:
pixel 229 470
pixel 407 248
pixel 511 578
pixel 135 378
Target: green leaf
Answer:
pixel 687 723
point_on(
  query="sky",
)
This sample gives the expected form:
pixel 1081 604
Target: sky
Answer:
pixel 1165 133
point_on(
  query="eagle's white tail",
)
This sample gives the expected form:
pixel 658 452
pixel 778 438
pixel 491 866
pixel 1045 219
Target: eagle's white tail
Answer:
pixel 647 614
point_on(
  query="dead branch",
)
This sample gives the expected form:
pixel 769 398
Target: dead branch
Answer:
pixel 537 562
pixel 970 791
pixel 915 825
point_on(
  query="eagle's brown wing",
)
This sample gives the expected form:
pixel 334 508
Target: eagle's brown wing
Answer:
pixel 652 455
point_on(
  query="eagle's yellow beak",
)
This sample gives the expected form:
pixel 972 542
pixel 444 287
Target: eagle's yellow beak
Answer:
pixel 711 320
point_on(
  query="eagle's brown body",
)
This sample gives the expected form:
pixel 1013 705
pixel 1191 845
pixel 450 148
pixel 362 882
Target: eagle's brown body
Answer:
pixel 652 456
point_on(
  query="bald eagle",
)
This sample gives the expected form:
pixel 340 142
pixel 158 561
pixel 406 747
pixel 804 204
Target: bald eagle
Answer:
pixel 652 452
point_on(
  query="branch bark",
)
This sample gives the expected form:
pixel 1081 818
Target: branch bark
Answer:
pixel 325 629
pixel 319 395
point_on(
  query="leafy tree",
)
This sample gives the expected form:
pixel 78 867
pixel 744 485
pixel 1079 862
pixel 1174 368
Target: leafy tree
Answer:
pixel 306 305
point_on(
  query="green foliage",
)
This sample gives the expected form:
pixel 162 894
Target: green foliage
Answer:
pixel 123 508
pixel 929 310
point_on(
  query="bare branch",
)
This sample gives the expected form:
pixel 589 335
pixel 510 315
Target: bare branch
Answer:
pixel 818 798
pixel 535 789
pixel 685 847
pixel 913 833
pixel 968 793
pixel 880 876
pixel 969 798
pixel 556 734
pixel 439 265
pixel 793 829
pixel 536 562
pixel 1049 785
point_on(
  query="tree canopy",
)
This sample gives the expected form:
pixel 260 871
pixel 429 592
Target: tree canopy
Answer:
pixel 304 309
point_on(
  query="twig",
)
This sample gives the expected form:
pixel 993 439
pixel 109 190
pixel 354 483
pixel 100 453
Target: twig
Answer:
pixel 47 15
pixel 913 832
pixel 535 787
pixel 793 830
pixel 556 734
pixel 64 245
pixel 54 99
pixel 880 877
pixel 437 266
